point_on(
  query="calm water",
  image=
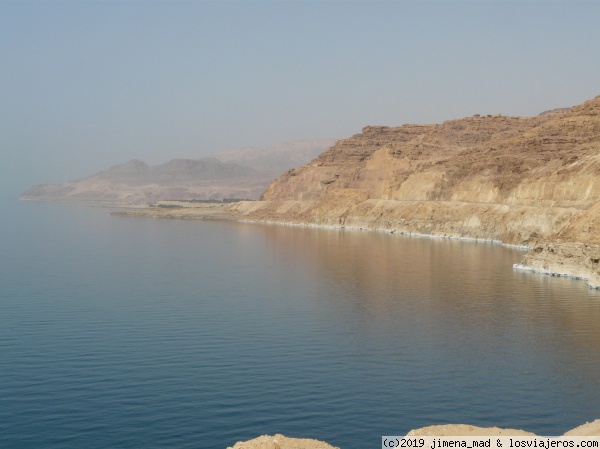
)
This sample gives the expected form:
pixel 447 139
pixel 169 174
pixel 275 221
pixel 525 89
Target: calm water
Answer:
pixel 121 332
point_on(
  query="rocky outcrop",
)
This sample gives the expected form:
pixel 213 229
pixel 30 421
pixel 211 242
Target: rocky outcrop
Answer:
pixel 587 429
pixel 577 260
pixel 446 430
pixel 532 181
pixel 281 442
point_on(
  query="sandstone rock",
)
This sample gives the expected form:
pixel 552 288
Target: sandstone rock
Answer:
pixel 586 429
pixel 281 442
pixel 577 260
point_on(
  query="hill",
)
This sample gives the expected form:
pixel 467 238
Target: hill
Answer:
pixel 234 174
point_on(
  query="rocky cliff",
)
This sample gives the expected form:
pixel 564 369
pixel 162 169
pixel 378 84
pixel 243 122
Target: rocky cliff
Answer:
pixel 531 181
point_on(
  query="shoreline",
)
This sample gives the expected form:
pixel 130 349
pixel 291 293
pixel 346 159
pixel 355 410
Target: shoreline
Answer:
pixel 530 269
pixel 209 211
pixel 516 266
pixel 389 231
pixel 202 212
pixel 530 262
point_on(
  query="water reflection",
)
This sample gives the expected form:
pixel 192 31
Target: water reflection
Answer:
pixel 191 331
pixel 418 300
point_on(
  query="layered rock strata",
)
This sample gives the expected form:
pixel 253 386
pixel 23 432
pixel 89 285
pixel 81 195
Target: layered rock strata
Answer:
pixel 531 181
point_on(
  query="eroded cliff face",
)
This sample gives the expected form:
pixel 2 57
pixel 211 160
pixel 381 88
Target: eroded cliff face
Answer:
pixel 531 181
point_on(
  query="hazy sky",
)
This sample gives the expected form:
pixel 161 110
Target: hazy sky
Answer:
pixel 85 85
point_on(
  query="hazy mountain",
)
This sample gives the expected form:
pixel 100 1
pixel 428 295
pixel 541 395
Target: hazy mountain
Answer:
pixel 278 158
pixel 233 174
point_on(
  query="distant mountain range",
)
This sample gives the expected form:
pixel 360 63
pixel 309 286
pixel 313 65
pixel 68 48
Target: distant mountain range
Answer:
pixel 242 174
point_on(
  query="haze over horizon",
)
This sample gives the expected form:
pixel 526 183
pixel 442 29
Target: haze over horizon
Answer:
pixel 87 85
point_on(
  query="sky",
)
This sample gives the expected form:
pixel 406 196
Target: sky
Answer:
pixel 85 85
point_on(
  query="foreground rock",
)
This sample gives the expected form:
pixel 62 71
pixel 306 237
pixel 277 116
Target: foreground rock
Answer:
pixel 586 429
pixel 446 430
pixel 530 181
pixel 281 442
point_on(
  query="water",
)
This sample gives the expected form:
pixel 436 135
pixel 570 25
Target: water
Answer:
pixel 132 332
